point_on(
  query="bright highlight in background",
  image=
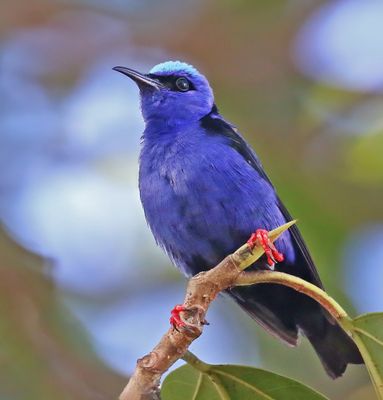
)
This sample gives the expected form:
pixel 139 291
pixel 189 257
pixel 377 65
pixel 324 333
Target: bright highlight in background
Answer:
pixel 341 44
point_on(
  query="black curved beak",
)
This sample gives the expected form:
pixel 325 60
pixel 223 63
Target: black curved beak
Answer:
pixel 140 79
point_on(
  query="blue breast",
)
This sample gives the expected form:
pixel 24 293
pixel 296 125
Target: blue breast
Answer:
pixel 202 199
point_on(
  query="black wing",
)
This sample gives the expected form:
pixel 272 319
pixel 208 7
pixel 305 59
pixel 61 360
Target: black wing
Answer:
pixel 214 124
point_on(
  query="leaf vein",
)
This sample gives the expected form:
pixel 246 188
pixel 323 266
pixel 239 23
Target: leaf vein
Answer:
pixel 220 389
pixel 199 382
pixel 372 337
pixel 244 383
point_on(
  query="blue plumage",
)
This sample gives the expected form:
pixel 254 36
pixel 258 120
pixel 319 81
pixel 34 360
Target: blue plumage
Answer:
pixel 201 197
pixel 204 192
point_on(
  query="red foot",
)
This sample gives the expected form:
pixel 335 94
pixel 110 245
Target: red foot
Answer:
pixel 260 237
pixel 175 318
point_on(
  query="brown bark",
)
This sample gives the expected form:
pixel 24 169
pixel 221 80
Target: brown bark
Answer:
pixel 202 289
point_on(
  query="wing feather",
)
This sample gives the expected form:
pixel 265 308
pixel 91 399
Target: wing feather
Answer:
pixel 215 124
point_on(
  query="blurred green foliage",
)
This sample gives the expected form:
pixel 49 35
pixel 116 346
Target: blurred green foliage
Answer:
pixel 44 352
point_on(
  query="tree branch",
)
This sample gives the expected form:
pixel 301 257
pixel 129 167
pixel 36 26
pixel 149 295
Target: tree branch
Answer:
pixel 298 284
pixel 201 290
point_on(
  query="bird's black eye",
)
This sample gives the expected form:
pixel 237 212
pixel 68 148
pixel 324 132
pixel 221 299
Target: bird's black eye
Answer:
pixel 182 84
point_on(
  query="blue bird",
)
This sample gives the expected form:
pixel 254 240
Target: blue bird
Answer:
pixel 204 192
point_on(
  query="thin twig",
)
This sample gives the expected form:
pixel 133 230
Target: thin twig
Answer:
pixel 299 284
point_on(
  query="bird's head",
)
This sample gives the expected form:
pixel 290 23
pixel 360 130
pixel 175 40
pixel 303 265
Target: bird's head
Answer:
pixel 173 92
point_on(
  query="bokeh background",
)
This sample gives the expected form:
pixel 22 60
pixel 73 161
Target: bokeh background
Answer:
pixel 84 291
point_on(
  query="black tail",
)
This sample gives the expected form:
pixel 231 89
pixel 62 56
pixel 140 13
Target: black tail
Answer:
pixel 284 312
pixel 333 346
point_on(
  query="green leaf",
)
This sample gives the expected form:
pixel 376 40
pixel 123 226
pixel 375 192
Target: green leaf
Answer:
pixel 367 331
pixel 231 382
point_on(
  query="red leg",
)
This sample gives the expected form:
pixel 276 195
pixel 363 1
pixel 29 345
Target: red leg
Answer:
pixel 175 318
pixel 260 237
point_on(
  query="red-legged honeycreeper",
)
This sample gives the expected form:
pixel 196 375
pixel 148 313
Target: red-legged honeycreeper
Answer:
pixel 204 192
